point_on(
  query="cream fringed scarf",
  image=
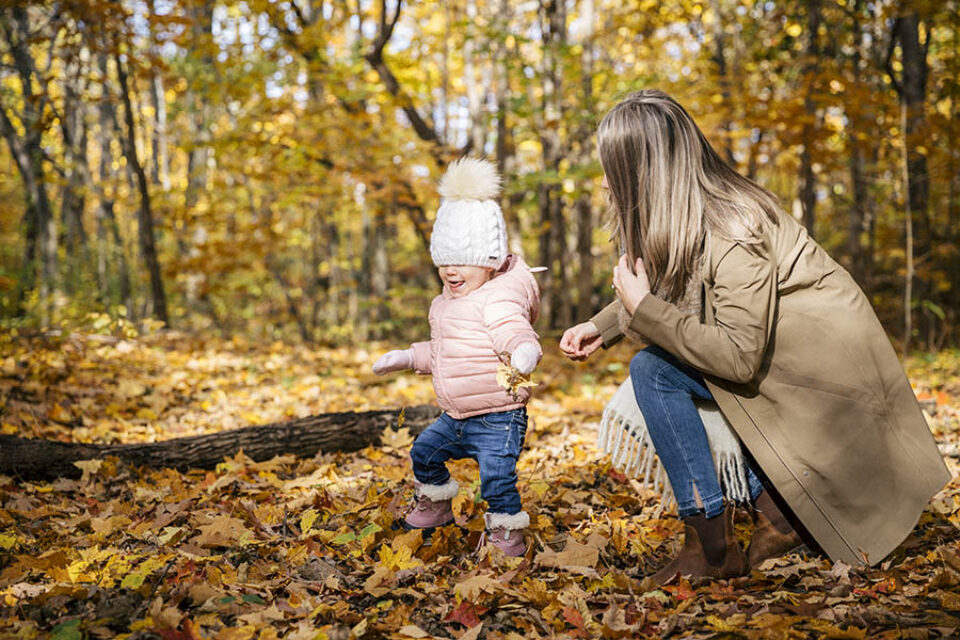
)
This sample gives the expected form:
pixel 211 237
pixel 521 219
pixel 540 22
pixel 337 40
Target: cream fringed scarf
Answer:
pixel 623 432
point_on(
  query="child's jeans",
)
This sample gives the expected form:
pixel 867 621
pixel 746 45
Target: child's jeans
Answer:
pixel 494 440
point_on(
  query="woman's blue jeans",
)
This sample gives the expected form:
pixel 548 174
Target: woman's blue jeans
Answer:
pixel 665 389
pixel 494 440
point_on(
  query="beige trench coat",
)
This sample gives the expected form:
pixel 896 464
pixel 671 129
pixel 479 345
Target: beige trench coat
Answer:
pixel 801 367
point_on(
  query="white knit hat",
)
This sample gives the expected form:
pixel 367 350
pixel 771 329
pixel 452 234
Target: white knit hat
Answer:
pixel 469 229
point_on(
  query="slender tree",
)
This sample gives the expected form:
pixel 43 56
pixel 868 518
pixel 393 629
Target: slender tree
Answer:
pixel 145 223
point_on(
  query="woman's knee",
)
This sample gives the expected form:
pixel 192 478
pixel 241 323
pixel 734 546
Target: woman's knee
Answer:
pixel 644 367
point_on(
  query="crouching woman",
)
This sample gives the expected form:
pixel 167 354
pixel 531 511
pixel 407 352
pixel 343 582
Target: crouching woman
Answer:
pixel 744 308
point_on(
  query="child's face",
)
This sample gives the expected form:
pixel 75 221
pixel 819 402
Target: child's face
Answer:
pixel 461 280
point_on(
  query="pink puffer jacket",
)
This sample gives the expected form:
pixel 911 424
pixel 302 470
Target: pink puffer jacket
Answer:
pixel 467 334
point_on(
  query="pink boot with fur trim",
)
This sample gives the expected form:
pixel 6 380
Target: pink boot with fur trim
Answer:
pixel 505 531
pixel 433 506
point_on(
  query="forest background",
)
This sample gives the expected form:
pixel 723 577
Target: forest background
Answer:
pixel 260 179
pixel 268 169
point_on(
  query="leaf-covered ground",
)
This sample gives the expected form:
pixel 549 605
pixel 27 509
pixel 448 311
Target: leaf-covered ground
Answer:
pixel 304 548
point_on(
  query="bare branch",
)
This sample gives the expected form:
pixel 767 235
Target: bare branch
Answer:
pixel 304 23
pixel 424 129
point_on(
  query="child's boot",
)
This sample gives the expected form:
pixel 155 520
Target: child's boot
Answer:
pixel 433 506
pixel 505 531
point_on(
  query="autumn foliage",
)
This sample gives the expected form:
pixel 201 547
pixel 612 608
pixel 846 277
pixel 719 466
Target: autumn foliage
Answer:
pixel 216 214
pixel 306 548
pixel 269 169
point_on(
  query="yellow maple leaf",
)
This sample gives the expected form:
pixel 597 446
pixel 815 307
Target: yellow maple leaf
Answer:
pixel 396 439
pixel 222 531
pixel 307 519
pixel 470 588
pixel 510 378
pixel 399 559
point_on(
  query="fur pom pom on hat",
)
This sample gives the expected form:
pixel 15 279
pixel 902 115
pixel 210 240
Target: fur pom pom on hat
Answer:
pixel 469 229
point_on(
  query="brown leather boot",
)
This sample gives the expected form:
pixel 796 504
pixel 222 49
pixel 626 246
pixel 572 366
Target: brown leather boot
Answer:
pixel 709 549
pixel 773 535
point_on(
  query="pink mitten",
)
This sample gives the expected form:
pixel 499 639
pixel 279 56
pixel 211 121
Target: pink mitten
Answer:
pixel 525 357
pixel 396 360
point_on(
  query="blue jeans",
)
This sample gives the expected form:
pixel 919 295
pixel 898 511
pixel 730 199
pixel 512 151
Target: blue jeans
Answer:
pixel 665 389
pixel 494 440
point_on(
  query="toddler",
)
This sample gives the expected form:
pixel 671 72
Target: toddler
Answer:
pixel 484 313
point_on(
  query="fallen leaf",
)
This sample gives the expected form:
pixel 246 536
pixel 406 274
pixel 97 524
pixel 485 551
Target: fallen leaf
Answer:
pixel 574 554
pixel 466 613
pixel 222 531
pixel 471 588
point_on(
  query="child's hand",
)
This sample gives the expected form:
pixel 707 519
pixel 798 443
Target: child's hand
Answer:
pixel 525 357
pixel 396 360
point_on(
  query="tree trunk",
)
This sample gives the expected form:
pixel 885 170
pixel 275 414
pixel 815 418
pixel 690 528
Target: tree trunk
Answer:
pixel 198 110
pixel 292 305
pixel 159 155
pixel 860 213
pixel 380 269
pixel 720 58
pixel 504 145
pixel 953 196
pixel 808 187
pixel 909 242
pixel 583 207
pixel 912 89
pixel 74 130
pixel 107 228
pixel 334 290
pixel 144 214
pixel 554 301
pixel 474 90
pixel 913 95
pixel 28 459
pixel 27 152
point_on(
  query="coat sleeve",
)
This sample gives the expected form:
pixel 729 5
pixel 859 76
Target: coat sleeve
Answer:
pixel 421 357
pixel 744 303
pixel 508 326
pixel 607 321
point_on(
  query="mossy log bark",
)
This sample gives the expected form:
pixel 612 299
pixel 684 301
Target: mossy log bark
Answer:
pixel 29 459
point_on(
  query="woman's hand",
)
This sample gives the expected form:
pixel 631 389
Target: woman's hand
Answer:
pixel 631 289
pixel 581 340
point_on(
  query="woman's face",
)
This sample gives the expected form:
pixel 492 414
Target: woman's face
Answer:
pixel 461 280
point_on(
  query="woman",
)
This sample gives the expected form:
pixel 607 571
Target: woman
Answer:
pixel 742 306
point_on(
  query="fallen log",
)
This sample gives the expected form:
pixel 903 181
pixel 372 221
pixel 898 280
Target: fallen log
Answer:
pixel 31 459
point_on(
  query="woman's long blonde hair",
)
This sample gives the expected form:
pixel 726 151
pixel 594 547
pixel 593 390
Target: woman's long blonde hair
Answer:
pixel 668 187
